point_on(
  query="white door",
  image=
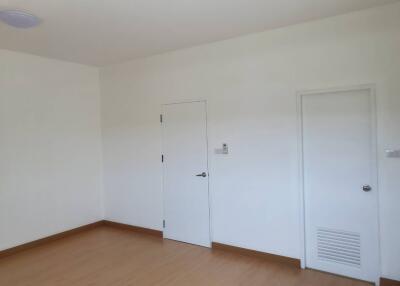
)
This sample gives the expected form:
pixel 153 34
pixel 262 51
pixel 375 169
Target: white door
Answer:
pixel 340 188
pixel 186 204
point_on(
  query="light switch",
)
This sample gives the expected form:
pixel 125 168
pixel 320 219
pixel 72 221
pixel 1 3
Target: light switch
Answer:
pixel 392 153
pixel 224 150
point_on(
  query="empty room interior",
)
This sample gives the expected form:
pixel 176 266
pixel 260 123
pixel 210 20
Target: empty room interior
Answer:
pixel 200 142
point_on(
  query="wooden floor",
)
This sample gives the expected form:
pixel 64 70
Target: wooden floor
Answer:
pixel 115 257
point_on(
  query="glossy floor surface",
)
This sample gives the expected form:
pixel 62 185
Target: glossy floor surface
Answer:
pixel 116 257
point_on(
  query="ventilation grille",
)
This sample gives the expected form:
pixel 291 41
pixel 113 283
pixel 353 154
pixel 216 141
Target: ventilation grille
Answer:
pixel 339 246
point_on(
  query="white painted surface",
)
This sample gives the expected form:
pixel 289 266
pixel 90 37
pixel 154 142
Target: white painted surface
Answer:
pixel 186 201
pixel 250 85
pixel 50 150
pixel 341 219
pixel 109 32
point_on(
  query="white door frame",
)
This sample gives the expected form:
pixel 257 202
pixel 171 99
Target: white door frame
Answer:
pixel 208 164
pixel 374 164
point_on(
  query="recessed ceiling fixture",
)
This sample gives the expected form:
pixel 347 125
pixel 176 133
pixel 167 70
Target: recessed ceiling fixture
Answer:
pixel 19 19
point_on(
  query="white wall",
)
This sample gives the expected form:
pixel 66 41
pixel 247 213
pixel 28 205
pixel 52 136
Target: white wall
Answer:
pixel 50 147
pixel 250 85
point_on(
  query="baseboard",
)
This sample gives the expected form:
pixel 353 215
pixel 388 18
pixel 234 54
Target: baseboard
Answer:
pixel 35 243
pixel 47 239
pixel 144 230
pixel 389 282
pixel 243 251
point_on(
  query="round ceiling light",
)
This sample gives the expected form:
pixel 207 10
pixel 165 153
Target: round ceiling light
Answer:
pixel 19 19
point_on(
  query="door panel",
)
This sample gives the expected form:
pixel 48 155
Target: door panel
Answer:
pixel 186 201
pixel 341 218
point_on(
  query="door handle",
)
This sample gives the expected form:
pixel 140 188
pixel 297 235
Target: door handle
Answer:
pixel 367 188
pixel 204 174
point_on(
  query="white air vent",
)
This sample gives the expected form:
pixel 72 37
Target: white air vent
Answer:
pixel 339 247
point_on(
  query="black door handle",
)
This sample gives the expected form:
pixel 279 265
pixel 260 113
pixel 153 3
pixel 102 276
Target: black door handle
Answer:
pixel 367 188
pixel 204 174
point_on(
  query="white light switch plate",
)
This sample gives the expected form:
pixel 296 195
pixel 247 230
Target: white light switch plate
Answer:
pixel 393 153
pixel 224 149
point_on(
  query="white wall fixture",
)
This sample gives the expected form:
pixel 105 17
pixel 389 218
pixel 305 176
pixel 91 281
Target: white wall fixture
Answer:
pixel 393 153
pixel 19 19
pixel 224 150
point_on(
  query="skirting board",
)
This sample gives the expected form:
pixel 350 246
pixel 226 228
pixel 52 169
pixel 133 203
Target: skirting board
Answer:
pixel 243 251
pixel 389 282
pixel 154 232
pixel 51 238
pixel 77 230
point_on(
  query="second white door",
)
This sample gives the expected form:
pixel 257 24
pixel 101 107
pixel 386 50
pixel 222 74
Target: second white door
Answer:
pixel 186 200
pixel 340 183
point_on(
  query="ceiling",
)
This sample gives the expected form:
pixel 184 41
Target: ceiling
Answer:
pixel 105 32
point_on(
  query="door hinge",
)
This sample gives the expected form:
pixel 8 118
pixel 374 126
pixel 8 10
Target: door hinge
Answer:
pixel 161 119
pixel 162 158
pixel 163 223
